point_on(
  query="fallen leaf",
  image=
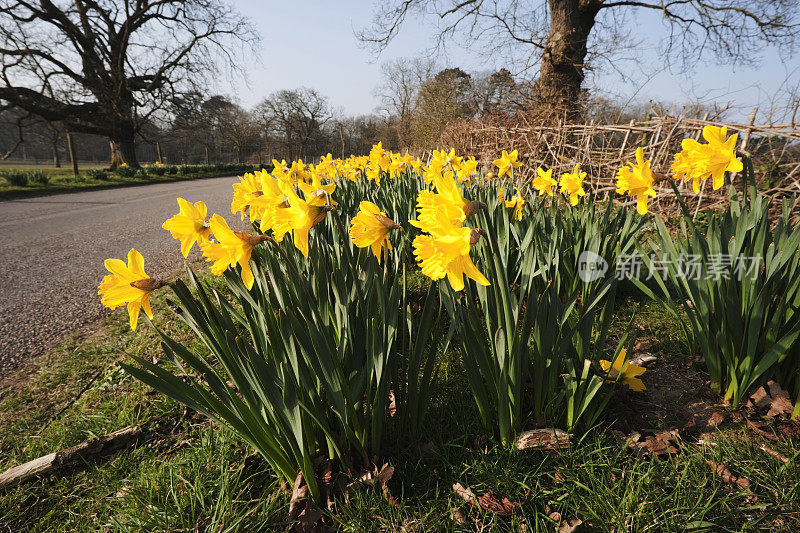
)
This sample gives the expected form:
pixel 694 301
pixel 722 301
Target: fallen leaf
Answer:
pixel 392 404
pixel 559 477
pixel 716 418
pixel 497 504
pixel 722 471
pixel 569 526
pixel 547 438
pixel 466 494
pixel 757 428
pixel 777 455
pixel 761 398
pixel 458 517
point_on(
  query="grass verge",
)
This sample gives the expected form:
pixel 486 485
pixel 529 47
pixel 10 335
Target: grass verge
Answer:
pixel 63 182
pixel 189 474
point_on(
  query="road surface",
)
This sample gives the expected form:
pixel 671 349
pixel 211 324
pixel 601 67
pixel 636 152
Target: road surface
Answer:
pixel 53 248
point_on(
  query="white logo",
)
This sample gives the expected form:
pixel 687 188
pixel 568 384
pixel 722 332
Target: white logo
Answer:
pixel 591 267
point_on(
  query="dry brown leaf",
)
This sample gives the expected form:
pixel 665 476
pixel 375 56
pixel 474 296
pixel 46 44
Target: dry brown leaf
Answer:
pixel 500 505
pixel 458 517
pixel 722 471
pixel 569 526
pixel 466 494
pixel 547 438
pixel 757 428
pixel 761 398
pixel 716 418
pixel 559 477
pixel 299 496
pixel 392 404
pixel 777 455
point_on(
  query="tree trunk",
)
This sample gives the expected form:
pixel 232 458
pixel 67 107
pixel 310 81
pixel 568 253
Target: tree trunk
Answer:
pixel 123 150
pixel 56 156
pixel 561 73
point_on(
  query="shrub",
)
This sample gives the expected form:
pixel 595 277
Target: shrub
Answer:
pixel 38 177
pixel 17 178
pixel 97 174
pixel 156 170
pixel 171 169
pixel 186 169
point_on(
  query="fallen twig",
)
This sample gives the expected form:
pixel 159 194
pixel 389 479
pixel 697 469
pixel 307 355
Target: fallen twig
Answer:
pixel 69 456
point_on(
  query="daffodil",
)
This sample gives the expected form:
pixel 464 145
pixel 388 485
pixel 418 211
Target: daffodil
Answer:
pixel 231 247
pixel 244 192
pixel 273 197
pixel 447 197
pixel 623 371
pixel 371 227
pixel 467 169
pixel 506 163
pixel 517 202
pixel 572 184
pixel 543 183
pixel 128 285
pixel 299 217
pixel 315 192
pixel 190 225
pixel 637 180
pixel 445 252
pixel 698 162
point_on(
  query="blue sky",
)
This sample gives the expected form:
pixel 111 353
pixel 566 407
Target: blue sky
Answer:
pixel 312 43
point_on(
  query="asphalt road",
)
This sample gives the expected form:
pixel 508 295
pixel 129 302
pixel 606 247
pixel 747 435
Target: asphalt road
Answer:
pixel 53 248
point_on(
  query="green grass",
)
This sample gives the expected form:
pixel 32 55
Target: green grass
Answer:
pixel 62 180
pixel 190 474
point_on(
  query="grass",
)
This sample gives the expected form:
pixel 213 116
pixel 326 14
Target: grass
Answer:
pixel 189 474
pixel 62 180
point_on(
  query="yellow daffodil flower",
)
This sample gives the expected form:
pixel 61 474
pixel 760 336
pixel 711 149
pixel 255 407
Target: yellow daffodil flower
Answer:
pixel 467 169
pixel 244 192
pixel 371 227
pixel 637 180
pixel 316 193
pixel 190 225
pixel 232 247
pixel 698 161
pixel 517 202
pixel 448 198
pixel 572 184
pixel 128 285
pixel 543 183
pixel 623 371
pixel 506 163
pixel 298 218
pixel 445 252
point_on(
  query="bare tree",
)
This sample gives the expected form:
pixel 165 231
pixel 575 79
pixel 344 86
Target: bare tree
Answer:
pixel 295 120
pixel 402 80
pixel 563 37
pixel 107 66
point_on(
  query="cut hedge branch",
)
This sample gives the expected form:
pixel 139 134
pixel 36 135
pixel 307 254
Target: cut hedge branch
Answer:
pixel 67 457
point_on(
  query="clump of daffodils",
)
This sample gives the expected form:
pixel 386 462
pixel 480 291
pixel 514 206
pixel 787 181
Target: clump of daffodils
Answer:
pixel 444 250
pixel 697 162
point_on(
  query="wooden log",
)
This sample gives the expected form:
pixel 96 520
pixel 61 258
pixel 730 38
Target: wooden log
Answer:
pixel 69 456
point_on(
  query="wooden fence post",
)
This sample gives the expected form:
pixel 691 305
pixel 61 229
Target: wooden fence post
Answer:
pixel 71 148
pixel 748 131
pixel 627 136
pixel 158 151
